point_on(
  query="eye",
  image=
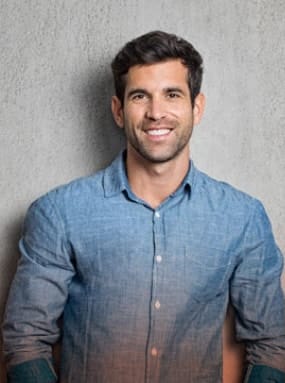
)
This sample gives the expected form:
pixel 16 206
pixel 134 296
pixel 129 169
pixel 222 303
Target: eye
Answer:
pixel 173 95
pixel 138 96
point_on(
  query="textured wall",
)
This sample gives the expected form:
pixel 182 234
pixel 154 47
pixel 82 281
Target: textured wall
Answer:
pixel 55 87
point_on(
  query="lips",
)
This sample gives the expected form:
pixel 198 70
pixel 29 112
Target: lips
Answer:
pixel 158 132
pixel 158 129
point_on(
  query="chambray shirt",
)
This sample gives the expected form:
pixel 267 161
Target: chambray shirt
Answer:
pixel 143 292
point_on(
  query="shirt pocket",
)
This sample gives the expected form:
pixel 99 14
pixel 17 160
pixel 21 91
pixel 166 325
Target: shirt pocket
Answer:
pixel 206 273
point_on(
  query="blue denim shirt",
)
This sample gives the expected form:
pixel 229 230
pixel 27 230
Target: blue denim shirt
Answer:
pixel 143 292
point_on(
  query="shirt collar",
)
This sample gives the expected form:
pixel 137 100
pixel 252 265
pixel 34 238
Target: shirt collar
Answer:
pixel 115 178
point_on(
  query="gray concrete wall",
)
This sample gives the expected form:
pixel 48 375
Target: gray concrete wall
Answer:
pixel 55 85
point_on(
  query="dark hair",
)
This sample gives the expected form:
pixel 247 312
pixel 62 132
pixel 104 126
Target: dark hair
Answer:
pixel 155 47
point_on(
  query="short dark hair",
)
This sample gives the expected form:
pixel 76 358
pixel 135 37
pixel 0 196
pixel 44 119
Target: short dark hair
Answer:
pixel 154 47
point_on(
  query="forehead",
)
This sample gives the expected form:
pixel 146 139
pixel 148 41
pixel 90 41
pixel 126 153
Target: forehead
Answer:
pixel 165 73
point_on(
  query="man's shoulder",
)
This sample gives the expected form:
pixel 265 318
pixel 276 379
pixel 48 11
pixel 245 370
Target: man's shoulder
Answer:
pixel 84 194
pixel 73 194
pixel 223 194
pixel 78 188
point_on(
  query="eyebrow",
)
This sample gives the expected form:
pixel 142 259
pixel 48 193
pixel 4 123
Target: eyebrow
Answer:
pixel 173 89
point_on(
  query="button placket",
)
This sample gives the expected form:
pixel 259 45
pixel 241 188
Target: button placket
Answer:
pixel 157 214
pixel 153 344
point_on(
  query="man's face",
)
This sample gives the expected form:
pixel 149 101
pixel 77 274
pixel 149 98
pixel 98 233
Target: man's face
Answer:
pixel 157 115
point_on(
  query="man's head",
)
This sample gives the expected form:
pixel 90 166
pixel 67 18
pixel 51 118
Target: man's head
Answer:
pixel 155 47
pixel 158 100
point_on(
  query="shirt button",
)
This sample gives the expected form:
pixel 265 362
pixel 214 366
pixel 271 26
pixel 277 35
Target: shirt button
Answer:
pixel 157 305
pixel 158 258
pixel 154 351
pixel 157 214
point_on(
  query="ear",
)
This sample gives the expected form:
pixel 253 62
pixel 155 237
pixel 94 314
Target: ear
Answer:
pixel 117 111
pixel 198 109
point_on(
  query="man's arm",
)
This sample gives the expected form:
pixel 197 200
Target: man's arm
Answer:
pixel 33 371
pixel 37 296
pixel 264 374
pixel 257 297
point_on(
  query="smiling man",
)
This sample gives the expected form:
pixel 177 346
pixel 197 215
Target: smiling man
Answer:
pixel 157 115
pixel 142 259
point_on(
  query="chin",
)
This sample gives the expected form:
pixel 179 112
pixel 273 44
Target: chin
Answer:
pixel 159 159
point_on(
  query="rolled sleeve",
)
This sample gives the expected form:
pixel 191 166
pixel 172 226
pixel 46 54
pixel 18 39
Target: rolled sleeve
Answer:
pixel 35 371
pixel 257 296
pixel 264 374
pixel 38 292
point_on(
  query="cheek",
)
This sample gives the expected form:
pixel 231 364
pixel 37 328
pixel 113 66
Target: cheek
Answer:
pixel 183 111
pixel 184 117
pixel 133 115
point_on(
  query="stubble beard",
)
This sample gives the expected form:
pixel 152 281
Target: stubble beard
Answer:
pixel 171 152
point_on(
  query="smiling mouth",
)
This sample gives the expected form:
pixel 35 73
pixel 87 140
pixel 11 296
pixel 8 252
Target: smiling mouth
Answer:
pixel 158 132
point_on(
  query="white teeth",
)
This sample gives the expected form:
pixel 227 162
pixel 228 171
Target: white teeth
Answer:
pixel 158 132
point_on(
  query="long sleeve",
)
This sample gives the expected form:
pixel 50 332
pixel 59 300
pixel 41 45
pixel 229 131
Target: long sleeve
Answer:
pixel 257 297
pixel 33 371
pixel 264 374
pixel 38 295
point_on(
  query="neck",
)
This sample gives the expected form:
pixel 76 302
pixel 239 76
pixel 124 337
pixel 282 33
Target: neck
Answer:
pixel 154 182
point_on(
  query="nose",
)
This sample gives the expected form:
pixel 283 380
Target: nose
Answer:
pixel 155 110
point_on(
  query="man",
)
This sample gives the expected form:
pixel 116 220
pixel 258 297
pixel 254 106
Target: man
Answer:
pixel 142 259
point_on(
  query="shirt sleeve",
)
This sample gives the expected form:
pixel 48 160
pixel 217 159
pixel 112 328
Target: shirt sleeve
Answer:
pixel 34 371
pixel 264 374
pixel 258 300
pixel 38 293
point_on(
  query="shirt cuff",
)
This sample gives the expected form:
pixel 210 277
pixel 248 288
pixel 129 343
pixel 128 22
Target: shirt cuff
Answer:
pixel 264 374
pixel 32 371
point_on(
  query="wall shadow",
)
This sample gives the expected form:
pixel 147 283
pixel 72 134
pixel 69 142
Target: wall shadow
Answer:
pixel 8 269
pixel 233 352
pixel 95 102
